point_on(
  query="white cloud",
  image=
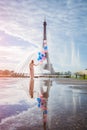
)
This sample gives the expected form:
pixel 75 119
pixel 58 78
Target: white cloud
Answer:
pixel 11 56
pixel 64 22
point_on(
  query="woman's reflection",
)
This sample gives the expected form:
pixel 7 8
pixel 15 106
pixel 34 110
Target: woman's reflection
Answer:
pixel 31 87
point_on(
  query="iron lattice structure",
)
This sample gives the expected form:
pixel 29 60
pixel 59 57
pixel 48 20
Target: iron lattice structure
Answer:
pixel 47 64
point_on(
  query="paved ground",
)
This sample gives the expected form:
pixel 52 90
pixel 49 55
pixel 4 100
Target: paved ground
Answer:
pixel 71 81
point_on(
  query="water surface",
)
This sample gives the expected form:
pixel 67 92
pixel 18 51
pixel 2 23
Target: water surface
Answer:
pixel 42 104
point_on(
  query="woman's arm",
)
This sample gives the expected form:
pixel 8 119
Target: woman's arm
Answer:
pixel 36 64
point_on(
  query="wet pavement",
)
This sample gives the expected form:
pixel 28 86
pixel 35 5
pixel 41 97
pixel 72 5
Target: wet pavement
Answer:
pixel 43 104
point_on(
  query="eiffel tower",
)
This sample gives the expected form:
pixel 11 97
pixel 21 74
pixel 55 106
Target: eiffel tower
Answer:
pixel 47 64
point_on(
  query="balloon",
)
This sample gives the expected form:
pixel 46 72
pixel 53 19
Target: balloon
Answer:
pixel 45 47
pixel 41 96
pixel 38 58
pixel 39 105
pixel 45 112
pixel 39 100
pixel 44 58
pixel 41 55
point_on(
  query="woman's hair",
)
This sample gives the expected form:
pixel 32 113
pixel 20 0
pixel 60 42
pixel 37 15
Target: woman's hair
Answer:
pixel 32 61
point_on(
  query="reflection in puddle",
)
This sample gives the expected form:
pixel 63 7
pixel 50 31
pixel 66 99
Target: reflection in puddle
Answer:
pixel 42 104
pixel 42 98
pixel 31 87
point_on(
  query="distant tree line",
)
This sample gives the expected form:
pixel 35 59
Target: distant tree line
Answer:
pixel 64 73
pixel 8 73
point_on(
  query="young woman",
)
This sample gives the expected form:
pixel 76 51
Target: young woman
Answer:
pixel 31 66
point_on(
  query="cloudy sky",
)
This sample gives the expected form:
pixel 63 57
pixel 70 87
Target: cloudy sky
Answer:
pixel 21 32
